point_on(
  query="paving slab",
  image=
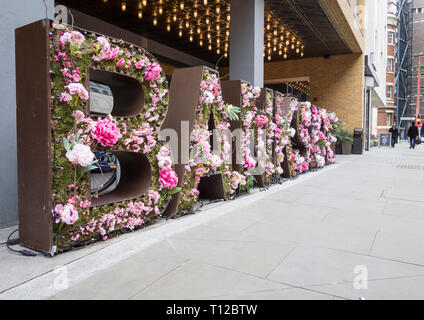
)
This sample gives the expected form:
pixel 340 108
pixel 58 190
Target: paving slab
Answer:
pixel 310 266
pixel 131 275
pixel 195 280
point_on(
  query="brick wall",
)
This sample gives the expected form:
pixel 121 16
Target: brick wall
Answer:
pixel 337 83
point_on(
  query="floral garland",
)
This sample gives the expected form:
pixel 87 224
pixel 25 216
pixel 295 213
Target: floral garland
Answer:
pixel 203 160
pixel 330 124
pixel 249 95
pixel 318 140
pixel 76 220
pixel 265 127
pixel 283 132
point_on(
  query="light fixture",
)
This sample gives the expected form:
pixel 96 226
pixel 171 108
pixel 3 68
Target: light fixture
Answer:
pixel 124 6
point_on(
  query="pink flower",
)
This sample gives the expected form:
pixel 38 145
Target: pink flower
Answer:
pixel 249 162
pixel 75 38
pixel 81 155
pixel 78 89
pixel 168 178
pixel 153 72
pixel 106 133
pixel 120 63
pixel 261 120
pixel 194 192
pixel 79 116
pixel 67 214
pixel 139 64
pixel 85 204
pixel 65 97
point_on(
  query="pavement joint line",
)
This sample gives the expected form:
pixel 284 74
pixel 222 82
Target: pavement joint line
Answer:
pixel 159 279
pixel 373 241
pixel 376 257
pixel 40 286
pixel 282 261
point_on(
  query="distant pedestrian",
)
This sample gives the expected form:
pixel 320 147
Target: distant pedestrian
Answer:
pixel 422 131
pixel 413 135
pixel 395 135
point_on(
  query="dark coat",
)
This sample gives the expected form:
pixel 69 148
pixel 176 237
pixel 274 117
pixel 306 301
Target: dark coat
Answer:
pixel 413 132
pixel 394 132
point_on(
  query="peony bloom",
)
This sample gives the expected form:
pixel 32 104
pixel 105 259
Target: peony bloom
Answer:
pixel 106 133
pixel 81 155
pixel 153 72
pixel 261 120
pixel 67 214
pixel 78 89
pixel 168 178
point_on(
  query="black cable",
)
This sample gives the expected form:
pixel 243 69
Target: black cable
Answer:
pixel 23 252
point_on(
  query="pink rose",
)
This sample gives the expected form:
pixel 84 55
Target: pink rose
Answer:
pixel 168 178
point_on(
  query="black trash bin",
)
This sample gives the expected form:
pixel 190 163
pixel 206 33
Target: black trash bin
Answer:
pixel 358 141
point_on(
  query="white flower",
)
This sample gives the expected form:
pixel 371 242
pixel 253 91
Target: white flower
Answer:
pixel 81 154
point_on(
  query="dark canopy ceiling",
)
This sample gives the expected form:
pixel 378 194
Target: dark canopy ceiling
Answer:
pixel 305 18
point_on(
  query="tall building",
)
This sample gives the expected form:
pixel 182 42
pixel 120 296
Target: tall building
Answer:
pixel 417 14
pixel 375 26
pixel 386 115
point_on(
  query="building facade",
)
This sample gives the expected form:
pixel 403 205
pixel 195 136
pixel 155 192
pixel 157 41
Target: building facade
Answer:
pixel 386 115
pixel 416 105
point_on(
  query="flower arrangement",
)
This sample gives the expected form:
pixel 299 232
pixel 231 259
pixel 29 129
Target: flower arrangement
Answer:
pixel 76 220
pixel 78 136
pixel 203 160
pixel 249 95
pixel 283 133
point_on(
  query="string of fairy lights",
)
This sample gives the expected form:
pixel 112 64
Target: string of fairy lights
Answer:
pixel 207 22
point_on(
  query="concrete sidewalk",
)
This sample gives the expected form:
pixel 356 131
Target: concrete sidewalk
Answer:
pixel 302 240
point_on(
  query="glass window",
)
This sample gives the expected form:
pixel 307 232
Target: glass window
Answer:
pixel 391 37
pixel 390 62
pixel 389 92
pixel 388 119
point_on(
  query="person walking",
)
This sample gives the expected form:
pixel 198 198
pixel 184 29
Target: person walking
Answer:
pixel 395 135
pixel 413 135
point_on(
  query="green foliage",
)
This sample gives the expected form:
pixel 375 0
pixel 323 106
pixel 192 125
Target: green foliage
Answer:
pixel 233 112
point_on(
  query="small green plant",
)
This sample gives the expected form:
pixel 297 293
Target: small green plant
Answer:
pixel 343 135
